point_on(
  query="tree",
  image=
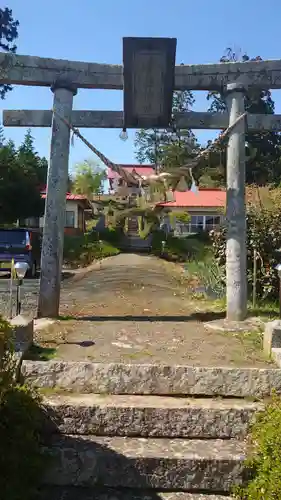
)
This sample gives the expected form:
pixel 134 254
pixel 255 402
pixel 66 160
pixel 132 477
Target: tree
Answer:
pixel 2 136
pixel 22 174
pixel 265 166
pixel 171 146
pixel 88 178
pixel 31 162
pixel 19 193
pixel 8 33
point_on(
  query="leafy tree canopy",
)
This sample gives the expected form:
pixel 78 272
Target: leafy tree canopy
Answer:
pixel 88 178
pixel 168 147
pixel 265 166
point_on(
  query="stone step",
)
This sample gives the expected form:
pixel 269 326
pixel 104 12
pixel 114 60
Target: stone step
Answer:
pixel 163 464
pixel 147 416
pixel 118 378
pixel 76 493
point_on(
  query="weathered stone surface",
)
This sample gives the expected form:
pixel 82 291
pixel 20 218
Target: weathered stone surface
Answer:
pixel 114 119
pixel 22 332
pixel 30 70
pixel 225 325
pixel 144 416
pixel 236 252
pixel 211 465
pixel 272 336
pixel 54 217
pixel 276 355
pixel 76 493
pixel 117 378
pixel 79 119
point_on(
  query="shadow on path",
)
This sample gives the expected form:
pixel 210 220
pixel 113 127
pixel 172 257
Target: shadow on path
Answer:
pixel 197 316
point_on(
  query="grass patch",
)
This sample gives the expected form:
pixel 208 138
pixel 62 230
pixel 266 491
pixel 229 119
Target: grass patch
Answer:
pixel 267 310
pixel 263 466
pixel 39 353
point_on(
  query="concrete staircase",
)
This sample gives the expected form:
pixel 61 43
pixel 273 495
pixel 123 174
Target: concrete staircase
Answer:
pixel 146 432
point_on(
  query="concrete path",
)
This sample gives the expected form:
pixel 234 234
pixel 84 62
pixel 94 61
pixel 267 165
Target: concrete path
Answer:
pixel 134 308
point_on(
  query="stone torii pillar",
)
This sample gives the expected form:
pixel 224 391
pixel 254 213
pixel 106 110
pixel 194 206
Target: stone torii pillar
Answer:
pixel 54 219
pixel 236 251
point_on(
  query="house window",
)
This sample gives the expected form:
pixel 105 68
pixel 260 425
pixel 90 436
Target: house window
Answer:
pixel 212 221
pixel 196 223
pixel 69 218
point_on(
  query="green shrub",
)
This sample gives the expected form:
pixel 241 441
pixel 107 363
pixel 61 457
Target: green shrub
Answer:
pixel 178 249
pixel 174 248
pixel 111 235
pixel 264 464
pixel 22 463
pixel 264 236
pixel 80 251
pixel 209 275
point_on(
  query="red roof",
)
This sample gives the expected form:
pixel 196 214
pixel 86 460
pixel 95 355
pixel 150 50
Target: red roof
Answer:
pixel 139 169
pixel 203 198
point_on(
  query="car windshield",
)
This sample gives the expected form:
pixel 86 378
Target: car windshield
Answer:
pixel 12 237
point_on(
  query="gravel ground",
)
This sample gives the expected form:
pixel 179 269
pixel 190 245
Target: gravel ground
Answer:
pixel 134 309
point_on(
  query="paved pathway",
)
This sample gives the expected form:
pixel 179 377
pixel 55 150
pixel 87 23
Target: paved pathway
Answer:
pixel 134 309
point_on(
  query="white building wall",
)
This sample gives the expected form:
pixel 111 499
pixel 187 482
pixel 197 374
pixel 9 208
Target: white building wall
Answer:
pixel 71 206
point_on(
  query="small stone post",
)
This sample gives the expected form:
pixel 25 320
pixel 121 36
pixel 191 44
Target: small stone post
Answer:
pixel 236 268
pixel 54 220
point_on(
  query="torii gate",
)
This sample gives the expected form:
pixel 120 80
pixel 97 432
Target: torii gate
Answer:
pixel 65 77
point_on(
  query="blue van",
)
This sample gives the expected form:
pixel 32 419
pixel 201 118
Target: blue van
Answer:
pixel 22 245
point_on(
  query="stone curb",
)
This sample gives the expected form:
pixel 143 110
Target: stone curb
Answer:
pixel 22 339
pixel 272 340
pixel 42 323
pixel 117 378
pixel 22 336
pixel 75 493
pixel 153 416
pixel 211 465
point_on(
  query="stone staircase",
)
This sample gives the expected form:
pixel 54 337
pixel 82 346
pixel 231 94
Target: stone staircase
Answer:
pixel 133 226
pixel 146 432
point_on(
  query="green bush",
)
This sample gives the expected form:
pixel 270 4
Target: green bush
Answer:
pixel 264 236
pixel 174 248
pixel 178 249
pixel 209 275
pixel 80 251
pixel 263 480
pixel 22 463
pixel 111 235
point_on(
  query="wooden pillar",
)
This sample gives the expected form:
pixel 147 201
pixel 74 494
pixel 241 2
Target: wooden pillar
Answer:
pixel 54 220
pixel 236 258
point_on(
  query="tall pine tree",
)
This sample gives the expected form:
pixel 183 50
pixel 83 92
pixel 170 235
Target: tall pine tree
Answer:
pixel 8 34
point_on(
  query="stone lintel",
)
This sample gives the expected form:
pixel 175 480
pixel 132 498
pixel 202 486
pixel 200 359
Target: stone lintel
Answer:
pixel 42 71
pixel 114 119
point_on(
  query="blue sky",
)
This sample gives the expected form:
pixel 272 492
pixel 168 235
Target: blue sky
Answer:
pixel 92 30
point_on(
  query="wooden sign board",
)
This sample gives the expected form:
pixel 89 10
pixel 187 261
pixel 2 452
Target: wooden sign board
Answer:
pixel 149 72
